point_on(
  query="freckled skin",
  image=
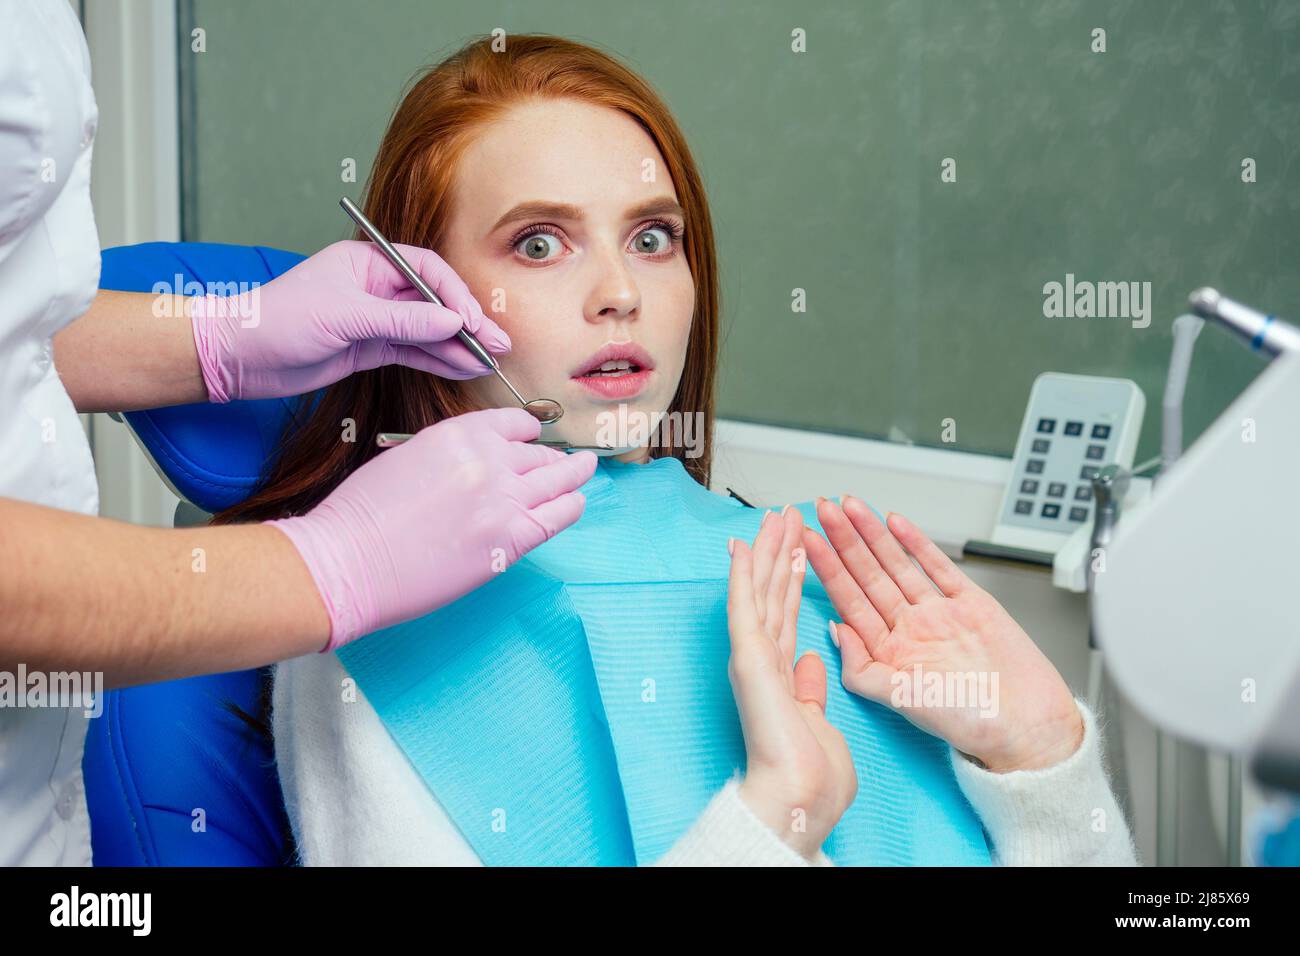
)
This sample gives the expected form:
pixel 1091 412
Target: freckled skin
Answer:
pixel 595 286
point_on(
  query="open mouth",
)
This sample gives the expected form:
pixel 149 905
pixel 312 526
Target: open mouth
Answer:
pixel 613 370
pixel 619 370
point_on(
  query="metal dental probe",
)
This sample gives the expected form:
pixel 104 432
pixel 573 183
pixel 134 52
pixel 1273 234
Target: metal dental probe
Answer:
pixel 545 410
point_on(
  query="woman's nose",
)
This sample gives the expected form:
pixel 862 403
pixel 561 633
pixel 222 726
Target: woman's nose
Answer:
pixel 614 293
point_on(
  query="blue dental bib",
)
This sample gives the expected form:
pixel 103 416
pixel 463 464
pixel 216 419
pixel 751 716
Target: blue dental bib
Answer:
pixel 576 709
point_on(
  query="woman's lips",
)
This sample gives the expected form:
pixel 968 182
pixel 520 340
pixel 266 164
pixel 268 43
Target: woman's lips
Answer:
pixel 616 383
pixel 625 385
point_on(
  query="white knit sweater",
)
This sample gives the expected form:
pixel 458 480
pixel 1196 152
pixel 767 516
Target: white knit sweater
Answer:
pixel 354 799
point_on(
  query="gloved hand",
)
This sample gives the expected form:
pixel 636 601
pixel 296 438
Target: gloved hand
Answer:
pixel 344 310
pixel 426 522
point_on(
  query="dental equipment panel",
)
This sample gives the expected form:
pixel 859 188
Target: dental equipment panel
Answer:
pixel 1074 426
pixel 545 410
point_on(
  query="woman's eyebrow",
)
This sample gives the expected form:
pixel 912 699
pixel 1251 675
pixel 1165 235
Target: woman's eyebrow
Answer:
pixel 540 209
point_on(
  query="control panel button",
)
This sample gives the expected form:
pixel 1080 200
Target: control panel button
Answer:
pixel 1051 511
pixel 1041 445
pixel 1078 514
pixel 1089 472
pixel 1101 431
pixel 1047 425
pixel 1056 489
pixel 1029 486
pixel 1095 452
pixel 1034 466
pixel 1083 493
pixel 1074 428
pixel 1024 507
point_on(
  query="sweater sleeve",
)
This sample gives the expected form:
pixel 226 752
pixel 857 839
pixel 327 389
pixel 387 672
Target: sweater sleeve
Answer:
pixel 728 833
pixel 1062 815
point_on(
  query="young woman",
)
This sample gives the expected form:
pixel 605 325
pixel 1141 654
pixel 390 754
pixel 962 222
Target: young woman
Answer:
pixel 557 185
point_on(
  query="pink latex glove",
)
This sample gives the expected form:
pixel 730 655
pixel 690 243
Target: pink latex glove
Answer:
pixel 426 522
pixel 344 310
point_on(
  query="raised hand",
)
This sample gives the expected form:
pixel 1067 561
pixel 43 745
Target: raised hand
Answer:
pixel 800 776
pixel 934 645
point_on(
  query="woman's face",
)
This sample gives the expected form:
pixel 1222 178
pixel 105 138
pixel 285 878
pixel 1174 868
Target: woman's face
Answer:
pixel 565 283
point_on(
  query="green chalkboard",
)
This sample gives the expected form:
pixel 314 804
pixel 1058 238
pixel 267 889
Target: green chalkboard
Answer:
pixel 825 170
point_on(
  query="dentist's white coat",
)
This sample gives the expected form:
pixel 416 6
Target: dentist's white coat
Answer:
pixel 49 271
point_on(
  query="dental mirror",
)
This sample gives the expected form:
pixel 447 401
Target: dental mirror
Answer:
pixel 545 410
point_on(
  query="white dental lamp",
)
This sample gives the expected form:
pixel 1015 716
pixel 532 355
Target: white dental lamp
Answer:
pixel 1198 609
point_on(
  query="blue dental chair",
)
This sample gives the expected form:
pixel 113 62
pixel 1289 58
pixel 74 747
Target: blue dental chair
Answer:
pixel 175 776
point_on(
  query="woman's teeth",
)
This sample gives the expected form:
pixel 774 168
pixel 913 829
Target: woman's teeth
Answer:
pixel 614 368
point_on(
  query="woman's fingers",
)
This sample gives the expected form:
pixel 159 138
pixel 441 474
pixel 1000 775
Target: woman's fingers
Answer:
pixel 810 691
pixel 914 585
pixel 766 544
pixel 950 578
pixel 793 597
pixel 843 590
pixel 754 680
pixel 791 531
pixel 742 616
pixel 859 671
pixel 810 681
pixel 860 562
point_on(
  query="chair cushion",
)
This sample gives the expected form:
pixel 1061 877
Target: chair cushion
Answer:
pixel 175 777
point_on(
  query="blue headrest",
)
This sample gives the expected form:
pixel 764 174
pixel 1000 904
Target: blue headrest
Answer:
pixel 213 455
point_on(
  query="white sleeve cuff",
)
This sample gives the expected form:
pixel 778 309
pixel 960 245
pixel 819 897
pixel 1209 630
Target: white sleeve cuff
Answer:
pixel 728 833
pixel 1062 815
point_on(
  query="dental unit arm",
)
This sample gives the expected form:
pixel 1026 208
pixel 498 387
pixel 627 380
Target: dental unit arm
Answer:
pixel 1196 609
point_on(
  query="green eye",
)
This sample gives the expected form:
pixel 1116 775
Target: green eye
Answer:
pixel 649 243
pixel 537 245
